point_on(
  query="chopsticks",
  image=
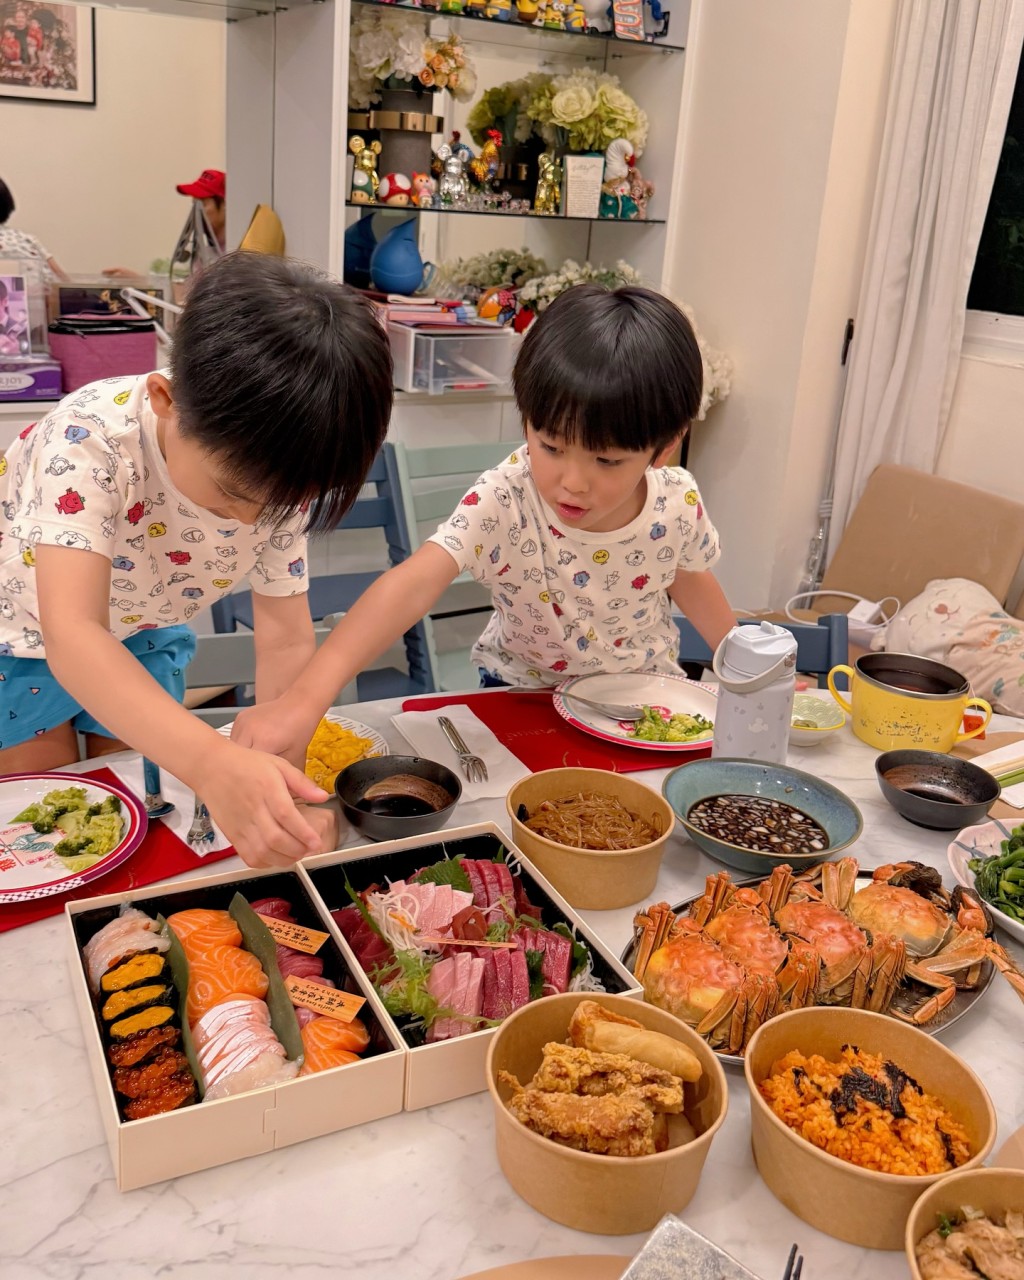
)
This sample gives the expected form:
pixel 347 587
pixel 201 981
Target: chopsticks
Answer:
pixel 794 1265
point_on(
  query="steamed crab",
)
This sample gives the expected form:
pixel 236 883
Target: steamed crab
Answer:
pixel 946 934
pixel 745 953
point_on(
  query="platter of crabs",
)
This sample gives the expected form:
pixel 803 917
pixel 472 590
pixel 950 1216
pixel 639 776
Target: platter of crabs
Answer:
pixel 893 941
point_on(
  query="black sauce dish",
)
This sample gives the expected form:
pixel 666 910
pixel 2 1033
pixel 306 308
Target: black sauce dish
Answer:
pixel 935 790
pixel 404 813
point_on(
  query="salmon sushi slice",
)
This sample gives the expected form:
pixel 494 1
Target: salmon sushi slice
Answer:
pixel 328 1042
pixel 220 972
pixel 198 929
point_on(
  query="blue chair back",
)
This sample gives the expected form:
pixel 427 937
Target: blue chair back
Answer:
pixel 334 593
pixel 819 646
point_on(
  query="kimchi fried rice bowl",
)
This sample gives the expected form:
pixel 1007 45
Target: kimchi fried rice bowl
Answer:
pixel 866 1110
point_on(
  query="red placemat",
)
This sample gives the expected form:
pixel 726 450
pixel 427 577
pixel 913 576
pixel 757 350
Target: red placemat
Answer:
pixel 160 856
pixel 528 724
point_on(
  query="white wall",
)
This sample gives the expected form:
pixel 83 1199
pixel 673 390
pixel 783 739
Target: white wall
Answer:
pixel 984 444
pixel 96 184
pixel 785 106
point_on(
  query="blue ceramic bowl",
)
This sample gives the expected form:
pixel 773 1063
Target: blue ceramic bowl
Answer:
pixel 720 776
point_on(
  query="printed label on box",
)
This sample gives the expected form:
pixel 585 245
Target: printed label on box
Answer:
pixel 295 936
pixel 328 1001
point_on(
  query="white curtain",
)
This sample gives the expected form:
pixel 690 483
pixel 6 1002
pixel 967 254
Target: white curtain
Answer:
pixel 954 69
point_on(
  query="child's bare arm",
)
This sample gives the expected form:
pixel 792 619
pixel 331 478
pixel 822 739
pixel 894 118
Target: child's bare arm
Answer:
pixel 382 613
pixel 249 795
pixel 703 601
pixel 283 634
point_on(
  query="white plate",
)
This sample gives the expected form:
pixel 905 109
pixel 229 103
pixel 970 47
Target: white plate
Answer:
pixel 982 841
pixel 670 694
pixel 378 747
pixel 29 868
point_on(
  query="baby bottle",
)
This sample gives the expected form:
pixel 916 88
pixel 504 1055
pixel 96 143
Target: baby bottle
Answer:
pixel 756 670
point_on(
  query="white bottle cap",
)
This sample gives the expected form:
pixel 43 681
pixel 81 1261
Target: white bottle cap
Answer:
pixel 750 652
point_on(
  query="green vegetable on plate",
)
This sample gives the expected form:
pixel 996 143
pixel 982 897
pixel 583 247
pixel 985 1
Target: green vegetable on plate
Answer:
pixel 1000 879
pixel 680 727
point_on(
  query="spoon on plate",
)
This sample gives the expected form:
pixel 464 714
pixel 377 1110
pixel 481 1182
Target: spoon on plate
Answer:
pixel 613 709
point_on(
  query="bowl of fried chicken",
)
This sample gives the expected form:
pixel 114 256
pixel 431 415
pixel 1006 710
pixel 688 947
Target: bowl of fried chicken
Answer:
pixel 605 1109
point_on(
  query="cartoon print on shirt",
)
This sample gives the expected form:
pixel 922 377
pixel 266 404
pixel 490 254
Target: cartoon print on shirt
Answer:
pixel 69 538
pixel 193 535
pixel 218 566
pixel 6 609
pixel 58 466
pixel 70 502
pixel 122 584
pixel 157 529
pixel 281 539
pixel 107 527
pixel 453 543
pixel 581 579
pixel 138 543
pixel 33 638
pixel 601 557
pixel 179 557
pixel 635 559
pixel 503 497
pixel 75 435
pixel 489 525
pixel 660 503
pixel 175 578
pixel 658 531
pixel 529 548
pixel 104 480
pixel 565 556
pixel 459 522
pixel 296 568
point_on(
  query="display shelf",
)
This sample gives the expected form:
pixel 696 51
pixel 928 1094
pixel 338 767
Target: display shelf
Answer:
pixel 523 35
pixel 215 10
pixel 553 218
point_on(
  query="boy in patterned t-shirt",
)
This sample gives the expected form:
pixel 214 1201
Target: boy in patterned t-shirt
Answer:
pixel 585 538
pixel 141 500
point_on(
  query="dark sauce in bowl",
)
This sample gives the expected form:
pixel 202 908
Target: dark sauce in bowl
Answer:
pixel 397 806
pixel 760 824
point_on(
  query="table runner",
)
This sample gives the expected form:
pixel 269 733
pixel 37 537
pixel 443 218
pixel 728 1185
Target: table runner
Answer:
pixel 528 724
pixel 160 856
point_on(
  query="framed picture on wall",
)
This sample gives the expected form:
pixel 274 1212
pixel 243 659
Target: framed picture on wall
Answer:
pixel 47 51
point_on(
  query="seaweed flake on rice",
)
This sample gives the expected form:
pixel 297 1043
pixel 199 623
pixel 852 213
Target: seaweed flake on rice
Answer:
pixel 864 1109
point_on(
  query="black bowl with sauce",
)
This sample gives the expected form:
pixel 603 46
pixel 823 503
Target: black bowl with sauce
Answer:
pixel 932 789
pixel 425 804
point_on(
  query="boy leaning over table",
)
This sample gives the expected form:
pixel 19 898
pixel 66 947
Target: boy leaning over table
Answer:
pixel 585 537
pixel 141 500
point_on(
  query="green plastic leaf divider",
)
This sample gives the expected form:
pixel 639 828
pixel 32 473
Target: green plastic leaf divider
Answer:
pixel 259 940
pixel 178 961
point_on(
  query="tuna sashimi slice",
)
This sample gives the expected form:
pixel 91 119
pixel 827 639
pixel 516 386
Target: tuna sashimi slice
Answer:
pixel 503 966
pixel 506 889
pixel 557 966
pixel 441 984
pixel 492 885
pixel 476 881
pixel 520 979
pixel 489 997
pixel 474 994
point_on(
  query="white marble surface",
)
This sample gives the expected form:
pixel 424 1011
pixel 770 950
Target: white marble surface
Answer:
pixel 417 1196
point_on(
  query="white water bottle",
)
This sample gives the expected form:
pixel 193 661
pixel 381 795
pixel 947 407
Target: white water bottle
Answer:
pixel 756 670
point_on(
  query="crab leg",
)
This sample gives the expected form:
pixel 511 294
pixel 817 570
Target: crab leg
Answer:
pixel 889 964
pixel 652 927
pixel 718 892
pixel 838 881
pixel 1002 961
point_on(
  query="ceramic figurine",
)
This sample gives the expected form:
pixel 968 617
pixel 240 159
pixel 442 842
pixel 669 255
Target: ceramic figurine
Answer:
pixel 549 185
pixel 497 303
pixel 453 188
pixel 499 10
pixel 624 193
pixel 527 10
pixel 394 189
pixel 640 191
pixel 451 6
pixel 552 15
pixel 364 176
pixel 424 189
pixel 483 169
pixel 474 8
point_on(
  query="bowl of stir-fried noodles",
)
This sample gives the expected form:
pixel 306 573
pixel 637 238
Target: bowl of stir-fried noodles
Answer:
pixel 597 836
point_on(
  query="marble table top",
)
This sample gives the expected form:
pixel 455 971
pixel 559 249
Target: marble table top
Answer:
pixel 417 1196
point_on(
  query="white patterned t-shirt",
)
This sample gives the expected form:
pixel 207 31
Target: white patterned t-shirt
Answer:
pixel 91 475
pixel 22 244
pixel 571 602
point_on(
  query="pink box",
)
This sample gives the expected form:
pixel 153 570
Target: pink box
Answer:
pixel 93 347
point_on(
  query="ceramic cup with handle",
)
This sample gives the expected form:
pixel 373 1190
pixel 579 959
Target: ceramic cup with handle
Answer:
pixel 900 700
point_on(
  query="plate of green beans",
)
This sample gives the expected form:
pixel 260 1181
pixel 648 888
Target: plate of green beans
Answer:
pixel 989 859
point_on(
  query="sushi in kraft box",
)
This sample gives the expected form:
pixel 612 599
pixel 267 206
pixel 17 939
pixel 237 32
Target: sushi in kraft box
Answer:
pixel 533 943
pixel 122 1003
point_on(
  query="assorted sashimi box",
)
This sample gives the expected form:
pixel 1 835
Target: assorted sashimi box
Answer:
pixel 456 933
pixel 192 1000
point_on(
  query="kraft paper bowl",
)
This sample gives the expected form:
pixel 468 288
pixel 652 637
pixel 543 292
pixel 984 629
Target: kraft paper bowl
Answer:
pixel 857 1205
pixel 990 1191
pixel 607 1195
pixel 592 879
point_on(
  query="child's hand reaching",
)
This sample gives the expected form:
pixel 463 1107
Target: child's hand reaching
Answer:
pixel 279 726
pixel 253 798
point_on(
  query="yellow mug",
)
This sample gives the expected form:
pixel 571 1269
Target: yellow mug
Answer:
pixel 900 700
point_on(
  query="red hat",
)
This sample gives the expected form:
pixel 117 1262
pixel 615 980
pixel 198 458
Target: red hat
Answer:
pixel 209 183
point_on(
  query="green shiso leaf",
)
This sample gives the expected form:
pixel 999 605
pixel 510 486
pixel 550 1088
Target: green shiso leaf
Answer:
pixel 260 941
pixel 447 871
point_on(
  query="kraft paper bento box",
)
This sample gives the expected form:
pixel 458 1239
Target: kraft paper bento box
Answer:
pixel 209 1133
pixel 447 1069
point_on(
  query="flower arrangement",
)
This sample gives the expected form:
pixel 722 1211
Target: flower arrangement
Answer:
pixel 539 292
pixel 387 45
pixel 583 110
pixel 508 267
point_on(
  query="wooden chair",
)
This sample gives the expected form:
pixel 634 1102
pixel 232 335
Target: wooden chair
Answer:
pixel 427 485
pixel 819 647
pixel 332 594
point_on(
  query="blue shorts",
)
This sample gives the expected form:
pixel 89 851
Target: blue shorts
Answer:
pixel 488 680
pixel 31 700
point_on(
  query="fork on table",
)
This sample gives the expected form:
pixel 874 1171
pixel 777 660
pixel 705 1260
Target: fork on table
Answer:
pixel 201 832
pixel 472 766
pixel 794 1265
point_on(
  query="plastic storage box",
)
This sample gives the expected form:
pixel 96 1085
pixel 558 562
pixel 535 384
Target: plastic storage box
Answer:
pixel 453 358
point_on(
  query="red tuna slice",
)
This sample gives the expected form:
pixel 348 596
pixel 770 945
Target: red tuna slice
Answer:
pixel 557 964
pixel 469 998
pixel 506 888
pixel 524 907
pixel 492 884
pixel 503 967
pixel 489 998
pixel 276 908
pixel 476 881
pixel 520 979
pixel 298 964
pixel 349 920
